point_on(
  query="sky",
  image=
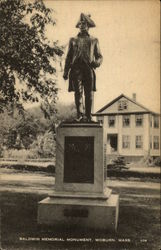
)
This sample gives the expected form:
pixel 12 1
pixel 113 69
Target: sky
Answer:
pixel 129 38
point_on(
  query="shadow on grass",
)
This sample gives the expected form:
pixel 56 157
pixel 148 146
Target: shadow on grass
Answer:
pixel 31 168
pixel 134 174
pixel 20 229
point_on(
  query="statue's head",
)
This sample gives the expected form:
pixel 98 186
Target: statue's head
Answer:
pixel 83 26
pixel 85 22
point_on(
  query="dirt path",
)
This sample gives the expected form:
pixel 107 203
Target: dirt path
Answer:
pixel 18 181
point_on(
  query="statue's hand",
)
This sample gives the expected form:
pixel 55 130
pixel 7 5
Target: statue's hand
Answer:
pixel 65 76
pixel 94 64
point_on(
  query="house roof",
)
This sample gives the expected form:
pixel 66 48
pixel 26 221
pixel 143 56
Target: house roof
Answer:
pixel 119 97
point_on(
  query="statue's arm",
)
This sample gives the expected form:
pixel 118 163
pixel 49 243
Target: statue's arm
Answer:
pixel 97 54
pixel 68 60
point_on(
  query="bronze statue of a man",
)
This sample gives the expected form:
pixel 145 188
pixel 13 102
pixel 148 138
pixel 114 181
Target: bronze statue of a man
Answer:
pixel 82 58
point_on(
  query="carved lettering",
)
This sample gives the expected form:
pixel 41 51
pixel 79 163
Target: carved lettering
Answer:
pixel 75 212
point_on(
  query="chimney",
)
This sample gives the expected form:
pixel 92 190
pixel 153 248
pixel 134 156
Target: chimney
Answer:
pixel 134 97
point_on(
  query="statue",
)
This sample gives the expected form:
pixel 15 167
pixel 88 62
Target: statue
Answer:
pixel 82 58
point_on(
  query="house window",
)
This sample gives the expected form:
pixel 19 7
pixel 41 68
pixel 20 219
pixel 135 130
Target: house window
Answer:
pixel 126 120
pixel 139 120
pixel 122 105
pixel 156 121
pixel 100 120
pixel 156 142
pixel 125 141
pixel 139 141
pixel 111 121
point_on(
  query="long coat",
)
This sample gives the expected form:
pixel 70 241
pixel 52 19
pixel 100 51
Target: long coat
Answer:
pixel 91 56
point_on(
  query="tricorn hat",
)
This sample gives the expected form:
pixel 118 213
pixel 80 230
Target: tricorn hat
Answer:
pixel 86 18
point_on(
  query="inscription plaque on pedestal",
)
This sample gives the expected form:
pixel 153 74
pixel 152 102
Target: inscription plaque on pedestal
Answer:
pixel 79 159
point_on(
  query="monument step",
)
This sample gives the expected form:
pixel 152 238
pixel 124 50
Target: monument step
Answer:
pixel 83 195
pixel 87 213
pixel 80 124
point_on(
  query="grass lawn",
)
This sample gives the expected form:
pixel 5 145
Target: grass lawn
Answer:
pixel 138 228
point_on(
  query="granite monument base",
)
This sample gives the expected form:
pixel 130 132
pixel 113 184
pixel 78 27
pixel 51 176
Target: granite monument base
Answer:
pixel 86 212
pixel 80 197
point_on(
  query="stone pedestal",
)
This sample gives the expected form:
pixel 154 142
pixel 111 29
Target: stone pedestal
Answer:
pixel 80 195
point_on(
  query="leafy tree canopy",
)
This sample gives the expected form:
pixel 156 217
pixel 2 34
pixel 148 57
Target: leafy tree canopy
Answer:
pixel 26 54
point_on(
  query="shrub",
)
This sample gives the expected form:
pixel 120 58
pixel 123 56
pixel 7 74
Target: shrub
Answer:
pixel 157 161
pixel 21 154
pixel 45 145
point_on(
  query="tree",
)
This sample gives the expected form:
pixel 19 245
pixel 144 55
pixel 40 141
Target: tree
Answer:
pixel 26 55
pixel 66 112
pixel 8 127
pixel 18 127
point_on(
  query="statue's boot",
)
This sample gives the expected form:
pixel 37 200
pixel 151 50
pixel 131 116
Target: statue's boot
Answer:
pixel 88 107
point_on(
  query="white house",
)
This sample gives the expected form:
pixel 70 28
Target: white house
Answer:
pixel 130 129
